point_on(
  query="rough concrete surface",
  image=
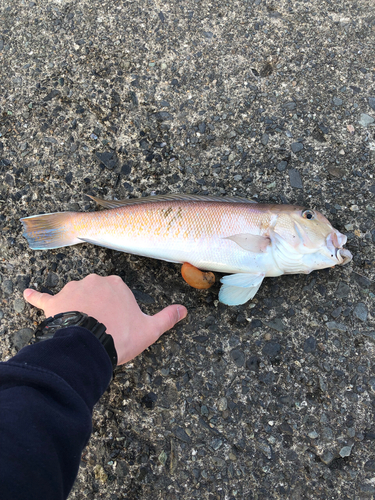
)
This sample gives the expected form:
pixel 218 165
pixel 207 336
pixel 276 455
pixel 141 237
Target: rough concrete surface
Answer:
pixel 272 99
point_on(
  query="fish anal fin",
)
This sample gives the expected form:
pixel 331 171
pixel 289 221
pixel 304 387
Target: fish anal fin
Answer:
pixel 251 242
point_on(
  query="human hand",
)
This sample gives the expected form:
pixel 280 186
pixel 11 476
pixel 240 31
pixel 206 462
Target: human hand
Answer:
pixel 112 303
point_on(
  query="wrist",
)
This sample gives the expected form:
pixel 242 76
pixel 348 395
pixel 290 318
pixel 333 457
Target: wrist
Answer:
pixel 51 325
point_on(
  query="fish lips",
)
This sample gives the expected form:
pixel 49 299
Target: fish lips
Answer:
pixel 335 242
pixel 343 256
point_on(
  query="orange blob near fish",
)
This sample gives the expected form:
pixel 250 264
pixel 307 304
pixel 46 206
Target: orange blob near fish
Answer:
pixel 229 235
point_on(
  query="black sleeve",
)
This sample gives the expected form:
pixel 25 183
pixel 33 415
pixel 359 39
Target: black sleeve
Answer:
pixel 47 394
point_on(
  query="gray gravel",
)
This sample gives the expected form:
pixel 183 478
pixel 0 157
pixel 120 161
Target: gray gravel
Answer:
pixel 274 100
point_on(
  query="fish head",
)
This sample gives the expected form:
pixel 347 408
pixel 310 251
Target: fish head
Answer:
pixel 311 236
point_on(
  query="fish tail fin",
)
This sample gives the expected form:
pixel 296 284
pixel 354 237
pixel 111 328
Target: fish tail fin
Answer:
pixel 50 230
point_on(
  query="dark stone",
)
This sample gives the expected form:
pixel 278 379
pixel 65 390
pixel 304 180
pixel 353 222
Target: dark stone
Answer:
pixel 290 105
pixel 352 396
pixel 51 95
pixel 50 140
pixel 360 311
pixel 181 434
pixel 161 17
pixel 342 290
pixel 296 147
pixel 208 34
pixel 149 400
pixel 9 179
pixel 255 323
pixel 370 466
pixel 69 178
pixel 285 428
pixel 238 357
pixel 276 324
pixel 281 166
pixel 23 282
pixel 122 469
pixel 108 159
pixel 126 169
pixel 337 101
pixel 371 102
pixel 264 140
pixel 271 349
pixel 295 178
pixel 309 345
pixel 143 297
pixel 52 280
pixel 318 135
pixel 252 363
pixel 362 281
pixel 160 116
pixel 200 338
pixel 202 128
pixel 22 337
pixel 7 287
pixel 336 312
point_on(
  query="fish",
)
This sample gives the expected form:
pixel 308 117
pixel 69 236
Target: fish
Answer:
pixel 245 240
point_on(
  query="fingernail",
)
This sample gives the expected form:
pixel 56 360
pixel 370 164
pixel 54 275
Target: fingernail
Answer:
pixel 182 312
pixel 28 292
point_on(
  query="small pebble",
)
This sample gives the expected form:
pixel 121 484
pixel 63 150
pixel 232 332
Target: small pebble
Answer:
pixel 216 444
pixel 238 357
pixel 281 166
pixel 295 179
pixel 365 120
pixel 7 287
pixel 345 451
pixel 327 457
pixel 296 147
pixel 218 462
pixel 22 337
pixel 265 139
pixel 222 404
pixel 19 305
pixel 360 311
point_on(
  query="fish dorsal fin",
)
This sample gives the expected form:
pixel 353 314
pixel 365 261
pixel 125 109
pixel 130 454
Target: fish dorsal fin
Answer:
pixel 168 197
pixel 251 242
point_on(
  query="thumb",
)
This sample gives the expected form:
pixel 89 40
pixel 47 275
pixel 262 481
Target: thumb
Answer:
pixel 35 298
pixel 167 318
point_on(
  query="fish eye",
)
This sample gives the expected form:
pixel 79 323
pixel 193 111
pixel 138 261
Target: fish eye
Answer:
pixel 308 214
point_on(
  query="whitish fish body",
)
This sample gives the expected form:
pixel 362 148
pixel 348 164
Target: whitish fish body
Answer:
pixel 228 235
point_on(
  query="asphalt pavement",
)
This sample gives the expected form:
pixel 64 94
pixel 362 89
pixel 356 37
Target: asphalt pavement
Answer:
pixel 272 100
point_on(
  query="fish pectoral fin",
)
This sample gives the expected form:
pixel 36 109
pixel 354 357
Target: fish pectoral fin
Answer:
pixel 251 242
pixel 239 288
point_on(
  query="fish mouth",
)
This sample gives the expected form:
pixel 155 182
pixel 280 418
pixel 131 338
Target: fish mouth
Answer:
pixel 335 242
pixel 343 256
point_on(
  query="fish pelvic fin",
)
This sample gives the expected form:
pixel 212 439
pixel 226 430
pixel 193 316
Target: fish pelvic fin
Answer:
pixel 239 288
pixel 49 231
